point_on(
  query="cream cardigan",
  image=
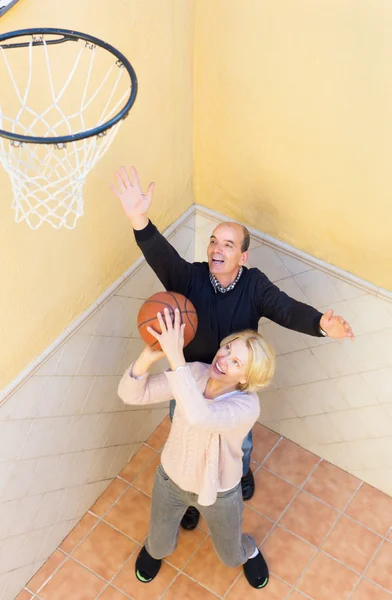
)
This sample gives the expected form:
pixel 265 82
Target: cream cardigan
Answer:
pixel 203 451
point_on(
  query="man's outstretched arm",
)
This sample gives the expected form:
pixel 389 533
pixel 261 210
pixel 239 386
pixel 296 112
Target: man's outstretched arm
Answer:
pixel 173 271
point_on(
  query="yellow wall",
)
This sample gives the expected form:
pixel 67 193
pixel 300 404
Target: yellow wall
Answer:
pixel 49 277
pixel 293 124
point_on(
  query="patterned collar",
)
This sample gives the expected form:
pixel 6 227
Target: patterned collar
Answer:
pixel 218 287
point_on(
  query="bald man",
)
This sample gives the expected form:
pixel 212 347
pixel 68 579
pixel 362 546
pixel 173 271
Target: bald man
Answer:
pixel 228 296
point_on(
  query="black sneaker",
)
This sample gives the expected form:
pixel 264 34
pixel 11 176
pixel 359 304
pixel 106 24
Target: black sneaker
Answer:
pixel 256 571
pixel 248 485
pixel 147 567
pixel 191 518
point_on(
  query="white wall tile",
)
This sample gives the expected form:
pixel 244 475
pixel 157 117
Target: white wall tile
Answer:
pixel 58 440
pixel 283 340
pixel 184 242
pixel 70 507
pixel 380 382
pixel 314 398
pixel 382 341
pixel 306 366
pixel 317 287
pixel 90 494
pixel 362 353
pixel 48 510
pixel 268 261
pixel 349 425
pixel 378 478
pixel 78 395
pixel 377 421
pixel 293 265
pixel 334 361
pixel 12 583
pixel 37 439
pixel 285 375
pixel 323 428
pixel 121 458
pixel 372 314
pixel 15 479
pixel 273 406
pixel 355 392
pixel 291 288
pixel 9 513
pixel 143 284
pixel 72 355
pixel 298 431
pixel 12 437
pixel 103 396
pixel 43 475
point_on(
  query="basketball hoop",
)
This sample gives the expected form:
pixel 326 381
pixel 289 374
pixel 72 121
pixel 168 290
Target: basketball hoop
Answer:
pixel 69 93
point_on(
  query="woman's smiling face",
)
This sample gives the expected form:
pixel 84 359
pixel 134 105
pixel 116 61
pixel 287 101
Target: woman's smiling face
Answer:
pixel 230 363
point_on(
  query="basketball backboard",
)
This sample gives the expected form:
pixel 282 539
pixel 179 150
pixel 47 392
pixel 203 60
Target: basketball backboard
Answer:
pixel 6 5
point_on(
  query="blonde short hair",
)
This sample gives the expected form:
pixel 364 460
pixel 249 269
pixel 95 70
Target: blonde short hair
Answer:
pixel 261 364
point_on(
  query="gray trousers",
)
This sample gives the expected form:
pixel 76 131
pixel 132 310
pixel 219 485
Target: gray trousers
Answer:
pixel 224 519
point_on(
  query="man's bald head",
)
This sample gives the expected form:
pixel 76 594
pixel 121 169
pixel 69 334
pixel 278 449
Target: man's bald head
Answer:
pixel 239 229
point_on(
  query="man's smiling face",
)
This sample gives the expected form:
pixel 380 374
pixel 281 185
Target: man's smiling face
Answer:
pixel 225 255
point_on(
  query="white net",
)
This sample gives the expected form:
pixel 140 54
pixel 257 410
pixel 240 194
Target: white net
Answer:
pixel 56 93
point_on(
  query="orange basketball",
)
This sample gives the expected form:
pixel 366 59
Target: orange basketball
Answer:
pixel 147 316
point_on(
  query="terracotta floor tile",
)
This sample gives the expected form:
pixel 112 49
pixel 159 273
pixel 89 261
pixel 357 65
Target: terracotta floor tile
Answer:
pixel 158 438
pixel 110 495
pixel 131 514
pixel 275 590
pixel 111 594
pixel 47 569
pixel 272 494
pixel 263 441
pixel 185 589
pixel 188 543
pixel 104 551
pixel 286 555
pixel 309 518
pixel 24 595
pixel 126 581
pixel 380 569
pixel 291 462
pixel 372 508
pixel 326 579
pixel 145 480
pixel 208 569
pixel 390 535
pixel 78 533
pixel 352 544
pixel 137 463
pixel 256 525
pixel 72 581
pixel 369 591
pixel 332 485
pixel 296 596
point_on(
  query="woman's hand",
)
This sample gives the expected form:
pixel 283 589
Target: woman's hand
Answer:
pixel 147 357
pixel 172 338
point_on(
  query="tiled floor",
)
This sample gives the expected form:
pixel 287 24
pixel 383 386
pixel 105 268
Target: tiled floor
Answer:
pixel 325 535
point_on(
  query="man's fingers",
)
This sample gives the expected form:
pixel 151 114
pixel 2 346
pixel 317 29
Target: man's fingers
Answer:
pixel 120 182
pixel 125 177
pixel 114 190
pixel 150 190
pixel 135 178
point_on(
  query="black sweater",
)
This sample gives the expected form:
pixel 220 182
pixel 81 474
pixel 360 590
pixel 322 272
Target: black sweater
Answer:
pixel 253 297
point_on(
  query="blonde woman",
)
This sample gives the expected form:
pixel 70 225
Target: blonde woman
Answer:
pixel 201 463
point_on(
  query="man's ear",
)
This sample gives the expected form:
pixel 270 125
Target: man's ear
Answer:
pixel 244 258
